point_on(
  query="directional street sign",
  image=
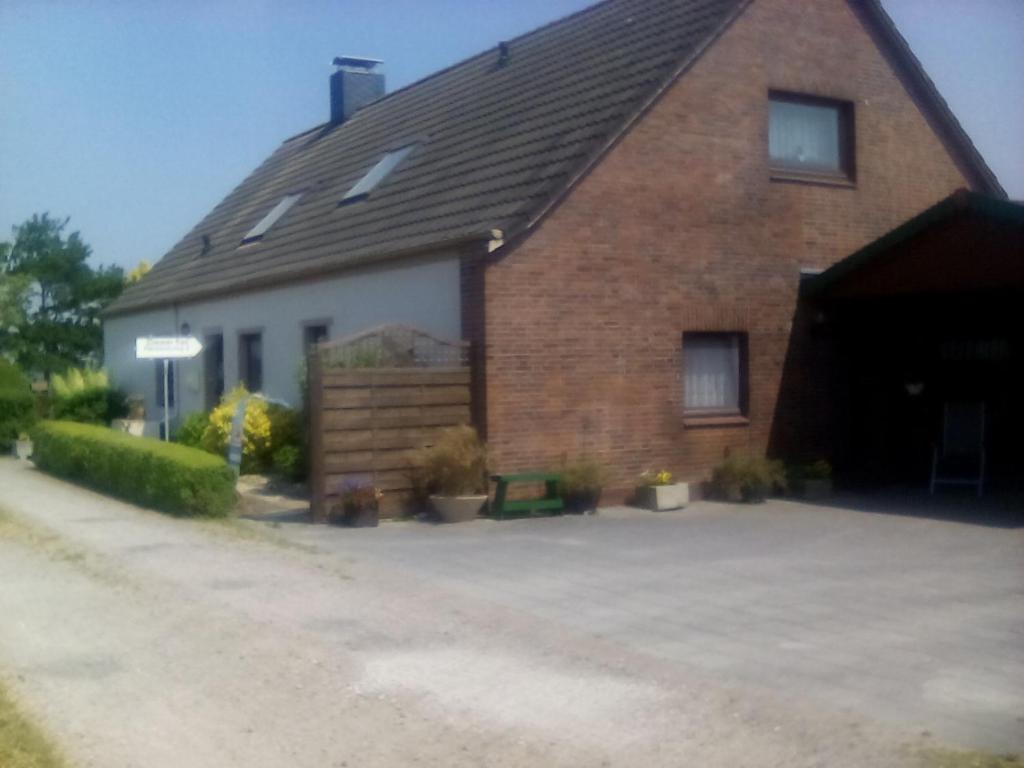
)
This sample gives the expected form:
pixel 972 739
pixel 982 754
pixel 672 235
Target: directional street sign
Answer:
pixel 167 347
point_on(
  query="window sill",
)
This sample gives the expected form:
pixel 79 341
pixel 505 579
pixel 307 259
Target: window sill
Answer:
pixel 821 179
pixel 715 420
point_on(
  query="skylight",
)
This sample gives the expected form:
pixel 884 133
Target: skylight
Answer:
pixel 279 210
pixel 377 174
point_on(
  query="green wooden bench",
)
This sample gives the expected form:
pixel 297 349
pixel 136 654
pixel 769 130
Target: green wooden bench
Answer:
pixel 550 502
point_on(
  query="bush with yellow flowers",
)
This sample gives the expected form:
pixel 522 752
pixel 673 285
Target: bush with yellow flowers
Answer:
pixel 267 428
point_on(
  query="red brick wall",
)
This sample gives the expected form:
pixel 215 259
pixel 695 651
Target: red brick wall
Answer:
pixel 680 228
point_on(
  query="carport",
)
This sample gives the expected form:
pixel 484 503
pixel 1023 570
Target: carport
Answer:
pixel 929 316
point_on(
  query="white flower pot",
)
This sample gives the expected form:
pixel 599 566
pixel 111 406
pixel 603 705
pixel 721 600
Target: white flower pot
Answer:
pixel 458 509
pixel 23 449
pixel 659 498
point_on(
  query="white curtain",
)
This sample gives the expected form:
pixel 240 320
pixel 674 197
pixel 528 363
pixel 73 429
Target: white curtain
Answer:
pixel 804 135
pixel 711 372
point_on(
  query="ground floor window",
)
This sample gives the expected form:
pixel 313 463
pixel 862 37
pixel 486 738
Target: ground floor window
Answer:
pixel 250 360
pixel 714 373
pixel 213 369
pixel 313 334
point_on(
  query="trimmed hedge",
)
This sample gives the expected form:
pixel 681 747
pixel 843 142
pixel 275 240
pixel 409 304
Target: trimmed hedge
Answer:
pixel 164 476
pixel 17 406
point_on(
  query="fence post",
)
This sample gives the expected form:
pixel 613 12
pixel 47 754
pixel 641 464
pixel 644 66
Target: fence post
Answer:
pixel 317 476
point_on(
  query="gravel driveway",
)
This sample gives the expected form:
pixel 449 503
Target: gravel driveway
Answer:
pixel 781 636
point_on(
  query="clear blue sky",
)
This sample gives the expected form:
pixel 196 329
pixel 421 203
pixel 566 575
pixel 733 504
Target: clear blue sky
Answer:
pixel 135 117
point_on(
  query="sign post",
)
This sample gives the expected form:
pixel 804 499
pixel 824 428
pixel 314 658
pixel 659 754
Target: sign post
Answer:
pixel 167 348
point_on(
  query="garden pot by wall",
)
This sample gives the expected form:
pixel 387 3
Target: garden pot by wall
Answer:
pixel 457 509
pixel 663 497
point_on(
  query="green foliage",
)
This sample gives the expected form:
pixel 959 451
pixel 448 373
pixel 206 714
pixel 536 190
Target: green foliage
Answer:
pixel 454 466
pixel 267 427
pixel 60 296
pixel 138 273
pixel 290 463
pixel 91 406
pixel 191 431
pixel 85 395
pixel 17 405
pixel 582 476
pixel 164 476
pixel 748 477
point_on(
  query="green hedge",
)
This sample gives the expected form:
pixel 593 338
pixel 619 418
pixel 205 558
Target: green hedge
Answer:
pixel 17 406
pixel 163 476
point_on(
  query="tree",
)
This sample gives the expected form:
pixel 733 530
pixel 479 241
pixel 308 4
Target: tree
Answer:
pixel 65 294
pixel 138 273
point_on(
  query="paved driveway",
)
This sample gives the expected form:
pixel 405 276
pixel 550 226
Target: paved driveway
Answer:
pixel 916 621
pixel 781 635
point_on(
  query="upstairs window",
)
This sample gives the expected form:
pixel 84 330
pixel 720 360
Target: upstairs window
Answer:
pixel 714 374
pixel 811 136
pixel 279 210
pixel 377 174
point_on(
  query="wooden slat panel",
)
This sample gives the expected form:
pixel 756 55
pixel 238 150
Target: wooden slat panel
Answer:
pixel 395 377
pixel 365 439
pixel 370 461
pixel 387 481
pixel 353 397
pixel 386 418
pixel 405 396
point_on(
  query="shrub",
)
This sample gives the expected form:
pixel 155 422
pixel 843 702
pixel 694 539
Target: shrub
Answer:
pixel 746 477
pixel 267 428
pixel 191 431
pixel 164 476
pixel 17 405
pixel 290 463
pixel 582 476
pixel 456 465
pixel 94 405
pixel 85 395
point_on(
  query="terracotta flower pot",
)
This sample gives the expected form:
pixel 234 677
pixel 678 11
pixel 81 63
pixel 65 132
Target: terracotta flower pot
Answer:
pixel 457 509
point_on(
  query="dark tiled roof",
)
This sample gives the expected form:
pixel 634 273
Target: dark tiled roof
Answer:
pixel 495 144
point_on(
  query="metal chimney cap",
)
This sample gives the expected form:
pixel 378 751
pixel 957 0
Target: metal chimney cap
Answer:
pixel 356 62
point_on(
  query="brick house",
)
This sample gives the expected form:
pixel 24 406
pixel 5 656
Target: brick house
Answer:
pixel 615 209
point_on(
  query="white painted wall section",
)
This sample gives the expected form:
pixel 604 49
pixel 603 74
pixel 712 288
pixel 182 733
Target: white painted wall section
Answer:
pixel 423 294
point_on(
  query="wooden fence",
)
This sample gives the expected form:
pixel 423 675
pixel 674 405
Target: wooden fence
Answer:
pixel 368 424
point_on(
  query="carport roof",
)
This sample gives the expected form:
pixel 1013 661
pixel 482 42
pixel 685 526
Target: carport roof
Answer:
pixel 966 242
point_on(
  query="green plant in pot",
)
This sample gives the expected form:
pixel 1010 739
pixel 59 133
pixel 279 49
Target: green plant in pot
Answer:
pixel 358 504
pixel 454 473
pixel 581 485
pixel 748 478
pixel 812 480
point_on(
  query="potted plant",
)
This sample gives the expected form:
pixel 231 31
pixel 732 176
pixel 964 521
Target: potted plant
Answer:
pixel 814 481
pixel 455 474
pixel 748 478
pixel 581 485
pixel 658 493
pixel 358 505
pixel 23 446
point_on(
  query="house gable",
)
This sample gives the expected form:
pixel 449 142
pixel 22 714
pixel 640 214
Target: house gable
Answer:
pixel 680 228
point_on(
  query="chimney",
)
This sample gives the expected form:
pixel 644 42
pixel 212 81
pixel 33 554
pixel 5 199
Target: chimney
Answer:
pixel 353 86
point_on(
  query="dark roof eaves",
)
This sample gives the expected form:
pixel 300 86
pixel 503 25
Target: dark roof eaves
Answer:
pixel 941 111
pixel 962 200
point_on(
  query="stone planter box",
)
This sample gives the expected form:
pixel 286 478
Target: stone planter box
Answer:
pixel 458 509
pixel 660 498
pixel 23 449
